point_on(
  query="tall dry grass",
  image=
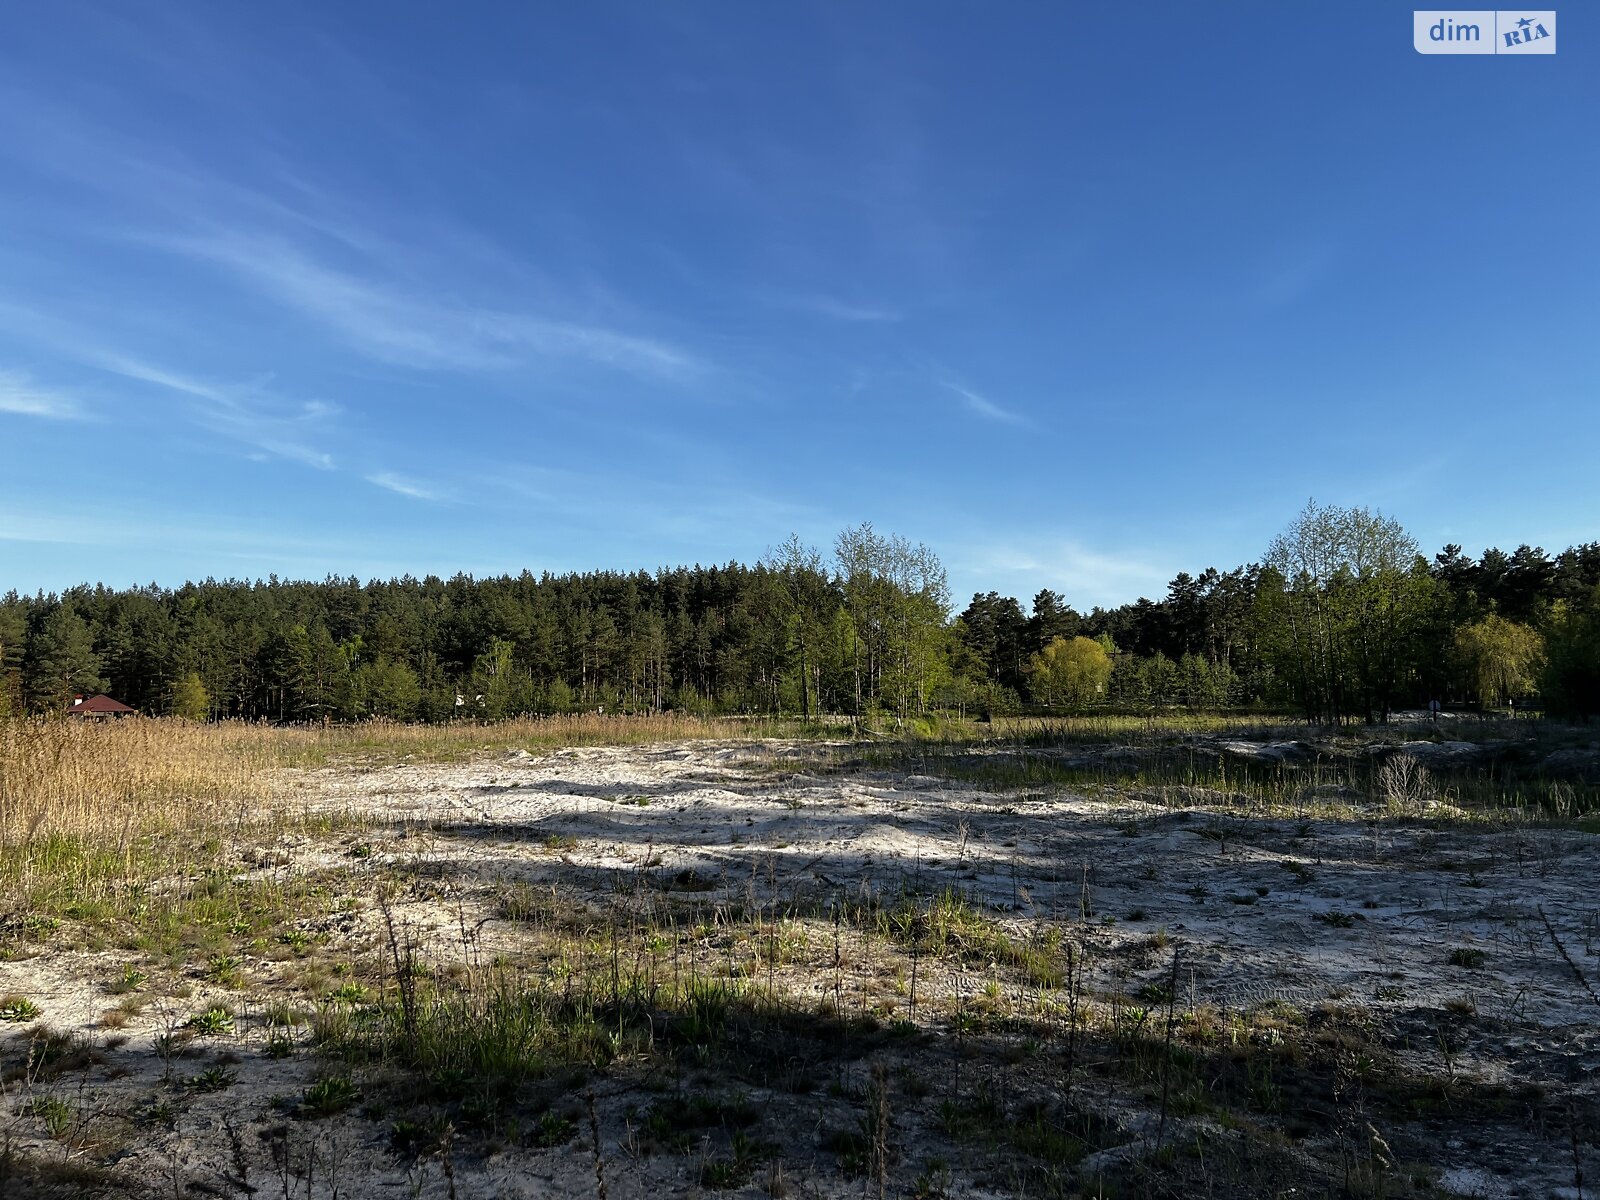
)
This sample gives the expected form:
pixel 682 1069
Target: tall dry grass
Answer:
pixel 106 781
pixel 93 814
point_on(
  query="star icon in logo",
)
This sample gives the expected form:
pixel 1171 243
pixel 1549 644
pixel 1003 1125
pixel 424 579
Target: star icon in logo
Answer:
pixel 1525 22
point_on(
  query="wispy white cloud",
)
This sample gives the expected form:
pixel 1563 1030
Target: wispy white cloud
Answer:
pixel 396 324
pixel 705 511
pixel 842 310
pixel 21 396
pixel 144 372
pixel 1084 575
pixel 984 407
pixel 404 485
pixel 244 413
pixel 248 412
pixel 296 452
pixel 390 287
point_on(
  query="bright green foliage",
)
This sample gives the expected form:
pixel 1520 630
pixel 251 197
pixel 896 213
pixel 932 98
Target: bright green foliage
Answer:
pixel 1499 658
pixel 498 688
pixel 386 688
pixel 190 698
pixel 1340 608
pixel 1205 684
pixel 1072 673
pixel 558 696
pixel 898 603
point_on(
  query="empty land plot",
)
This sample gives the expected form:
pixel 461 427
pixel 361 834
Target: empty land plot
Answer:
pixel 822 968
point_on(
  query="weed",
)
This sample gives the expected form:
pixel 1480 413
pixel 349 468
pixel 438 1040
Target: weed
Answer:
pixel 551 1130
pixel 520 901
pixel 282 1014
pixel 677 1121
pixel 327 1097
pixel 1404 784
pixel 37 927
pixel 853 1146
pixel 54 1113
pixel 129 979
pixel 213 1022
pixel 420 1139
pixel 17 1009
pixel 348 993
pixel 212 1079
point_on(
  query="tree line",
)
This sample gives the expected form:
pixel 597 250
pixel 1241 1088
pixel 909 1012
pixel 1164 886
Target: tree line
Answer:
pixel 1342 619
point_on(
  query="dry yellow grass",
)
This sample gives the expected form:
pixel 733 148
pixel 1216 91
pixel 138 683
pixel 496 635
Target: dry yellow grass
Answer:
pixel 93 814
pixel 104 782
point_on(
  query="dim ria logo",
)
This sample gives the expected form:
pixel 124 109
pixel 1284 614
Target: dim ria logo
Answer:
pixel 1484 31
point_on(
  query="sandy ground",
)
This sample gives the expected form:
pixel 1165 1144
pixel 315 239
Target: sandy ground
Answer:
pixel 1413 893
pixel 1259 910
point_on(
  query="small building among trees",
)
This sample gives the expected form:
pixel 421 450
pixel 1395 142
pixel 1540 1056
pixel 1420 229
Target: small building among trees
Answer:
pixel 99 708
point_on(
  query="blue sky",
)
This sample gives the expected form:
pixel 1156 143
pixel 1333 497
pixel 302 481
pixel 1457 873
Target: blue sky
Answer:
pixel 1080 296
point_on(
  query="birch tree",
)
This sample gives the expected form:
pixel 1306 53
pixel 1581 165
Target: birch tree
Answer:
pixel 1342 595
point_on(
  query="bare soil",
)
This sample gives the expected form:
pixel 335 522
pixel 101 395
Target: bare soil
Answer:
pixel 1440 975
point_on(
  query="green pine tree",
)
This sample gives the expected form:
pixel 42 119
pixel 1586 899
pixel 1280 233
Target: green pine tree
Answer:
pixel 61 662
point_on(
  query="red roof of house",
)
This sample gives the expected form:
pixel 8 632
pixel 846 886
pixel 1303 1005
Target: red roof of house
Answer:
pixel 98 704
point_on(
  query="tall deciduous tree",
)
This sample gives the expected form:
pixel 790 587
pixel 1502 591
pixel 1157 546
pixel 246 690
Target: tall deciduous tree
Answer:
pixel 898 599
pixel 1072 672
pixel 800 593
pixel 1500 658
pixel 1343 595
